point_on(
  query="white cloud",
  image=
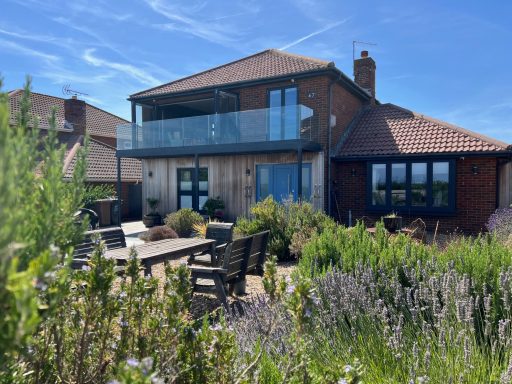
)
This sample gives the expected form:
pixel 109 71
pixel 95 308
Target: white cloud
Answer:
pixel 127 69
pixel 315 33
pixel 182 21
pixel 21 49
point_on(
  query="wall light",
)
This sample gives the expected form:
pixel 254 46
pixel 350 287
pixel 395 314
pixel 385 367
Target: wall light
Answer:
pixel 150 173
pixel 247 172
pixel 353 172
pixel 474 169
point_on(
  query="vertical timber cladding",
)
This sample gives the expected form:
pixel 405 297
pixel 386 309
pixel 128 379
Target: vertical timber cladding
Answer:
pixel 227 178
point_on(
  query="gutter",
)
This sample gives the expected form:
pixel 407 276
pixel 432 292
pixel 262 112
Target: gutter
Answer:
pixel 345 159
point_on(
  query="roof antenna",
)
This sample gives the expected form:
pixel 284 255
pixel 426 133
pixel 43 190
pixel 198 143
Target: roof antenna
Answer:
pixel 67 91
pixel 354 43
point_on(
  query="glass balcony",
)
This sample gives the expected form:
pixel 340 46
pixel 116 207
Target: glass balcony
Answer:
pixel 253 126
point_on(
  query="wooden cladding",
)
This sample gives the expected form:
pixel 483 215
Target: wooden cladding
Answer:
pixel 227 178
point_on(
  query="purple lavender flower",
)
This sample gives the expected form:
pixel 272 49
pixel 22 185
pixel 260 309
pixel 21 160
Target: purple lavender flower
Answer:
pixel 132 362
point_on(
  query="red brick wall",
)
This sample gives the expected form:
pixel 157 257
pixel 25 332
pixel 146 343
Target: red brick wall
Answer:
pixel 475 196
pixel 313 93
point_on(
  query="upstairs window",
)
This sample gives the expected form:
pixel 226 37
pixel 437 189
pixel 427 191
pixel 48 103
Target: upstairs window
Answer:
pixel 412 186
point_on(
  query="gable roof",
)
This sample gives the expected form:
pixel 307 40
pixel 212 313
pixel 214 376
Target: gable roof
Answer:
pixel 101 158
pixel 263 65
pixel 41 106
pixel 387 130
pixel 98 121
pixel 102 164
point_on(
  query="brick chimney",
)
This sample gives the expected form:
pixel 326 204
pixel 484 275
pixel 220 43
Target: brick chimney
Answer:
pixel 364 73
pixel 74 113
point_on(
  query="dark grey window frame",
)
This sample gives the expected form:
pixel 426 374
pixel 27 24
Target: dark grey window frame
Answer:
pixel 408 208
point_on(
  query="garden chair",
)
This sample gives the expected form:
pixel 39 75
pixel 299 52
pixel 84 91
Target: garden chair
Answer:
pixel 113 237
pixel 418 229
pixel 231 270
pixel 222 233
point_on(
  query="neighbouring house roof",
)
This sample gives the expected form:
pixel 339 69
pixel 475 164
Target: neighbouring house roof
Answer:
pixel 263 65
pixel 101 159
pixel 41 107
pixel 389 130
pixel 98 121
pixel 102 164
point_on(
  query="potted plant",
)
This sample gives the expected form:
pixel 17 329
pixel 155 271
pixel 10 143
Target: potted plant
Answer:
pixel 152 218
pixel 214 208
pixel 392 222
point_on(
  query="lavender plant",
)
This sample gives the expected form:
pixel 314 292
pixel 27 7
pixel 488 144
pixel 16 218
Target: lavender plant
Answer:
pixel 500 223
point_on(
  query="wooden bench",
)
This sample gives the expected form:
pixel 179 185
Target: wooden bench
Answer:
pixel 113 237
pixel 231 270
pixel 241 257
pixel 257 254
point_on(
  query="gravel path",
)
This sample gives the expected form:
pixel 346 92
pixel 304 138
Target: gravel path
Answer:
pixel 203 303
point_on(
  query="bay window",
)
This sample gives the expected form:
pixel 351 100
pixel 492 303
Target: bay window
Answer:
pixel 412 186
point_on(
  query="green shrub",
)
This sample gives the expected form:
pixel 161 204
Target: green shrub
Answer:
pixel 183 221
pixel 97 192
pixel 160 232
pixel 37 228
pixel 291 225
pixel 212 205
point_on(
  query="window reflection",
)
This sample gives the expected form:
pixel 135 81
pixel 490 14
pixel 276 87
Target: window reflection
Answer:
pixel 379 184
pixel 398 184
pixel 419 184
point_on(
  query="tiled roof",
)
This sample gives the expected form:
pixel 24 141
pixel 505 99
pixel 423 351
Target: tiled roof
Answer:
pixel 101 159
pixel 391 130
pixel 98 121
pixel 267 64
pixel 41 106
pixel 102 165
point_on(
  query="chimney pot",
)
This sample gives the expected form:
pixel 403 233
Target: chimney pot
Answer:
pixel 364 53
pixel 74 97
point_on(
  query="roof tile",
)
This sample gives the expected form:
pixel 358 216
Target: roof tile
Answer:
pixel 391 130
pixel 267 64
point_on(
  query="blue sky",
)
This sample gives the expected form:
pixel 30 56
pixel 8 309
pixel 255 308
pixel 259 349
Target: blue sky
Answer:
pixel 447 59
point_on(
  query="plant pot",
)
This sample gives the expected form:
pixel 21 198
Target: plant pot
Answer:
pixel 150 220
pixel 392 224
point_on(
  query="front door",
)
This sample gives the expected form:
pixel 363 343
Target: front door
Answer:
pixel 284 182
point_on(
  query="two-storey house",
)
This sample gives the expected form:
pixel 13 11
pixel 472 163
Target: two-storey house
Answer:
pixel 285 125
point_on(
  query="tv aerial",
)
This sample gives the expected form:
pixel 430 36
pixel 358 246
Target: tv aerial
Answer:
pixel 66 90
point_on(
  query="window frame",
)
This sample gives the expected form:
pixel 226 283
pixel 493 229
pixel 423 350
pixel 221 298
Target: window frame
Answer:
pixel 195 192
pixel 283 107
pixel 408 207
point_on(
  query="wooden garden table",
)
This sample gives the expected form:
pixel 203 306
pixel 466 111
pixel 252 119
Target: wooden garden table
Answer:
pixel 158 251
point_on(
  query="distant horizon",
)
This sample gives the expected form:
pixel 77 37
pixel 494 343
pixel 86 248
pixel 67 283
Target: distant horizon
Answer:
pixel 434 60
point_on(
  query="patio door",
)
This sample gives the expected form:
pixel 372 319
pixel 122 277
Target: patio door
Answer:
pixel 225 128
pixel 280 181
pixel 191 193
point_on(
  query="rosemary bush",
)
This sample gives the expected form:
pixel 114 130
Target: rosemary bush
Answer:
pixel 291 225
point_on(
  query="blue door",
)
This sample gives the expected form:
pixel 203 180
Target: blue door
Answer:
pixel 280 181
pixel 284 182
